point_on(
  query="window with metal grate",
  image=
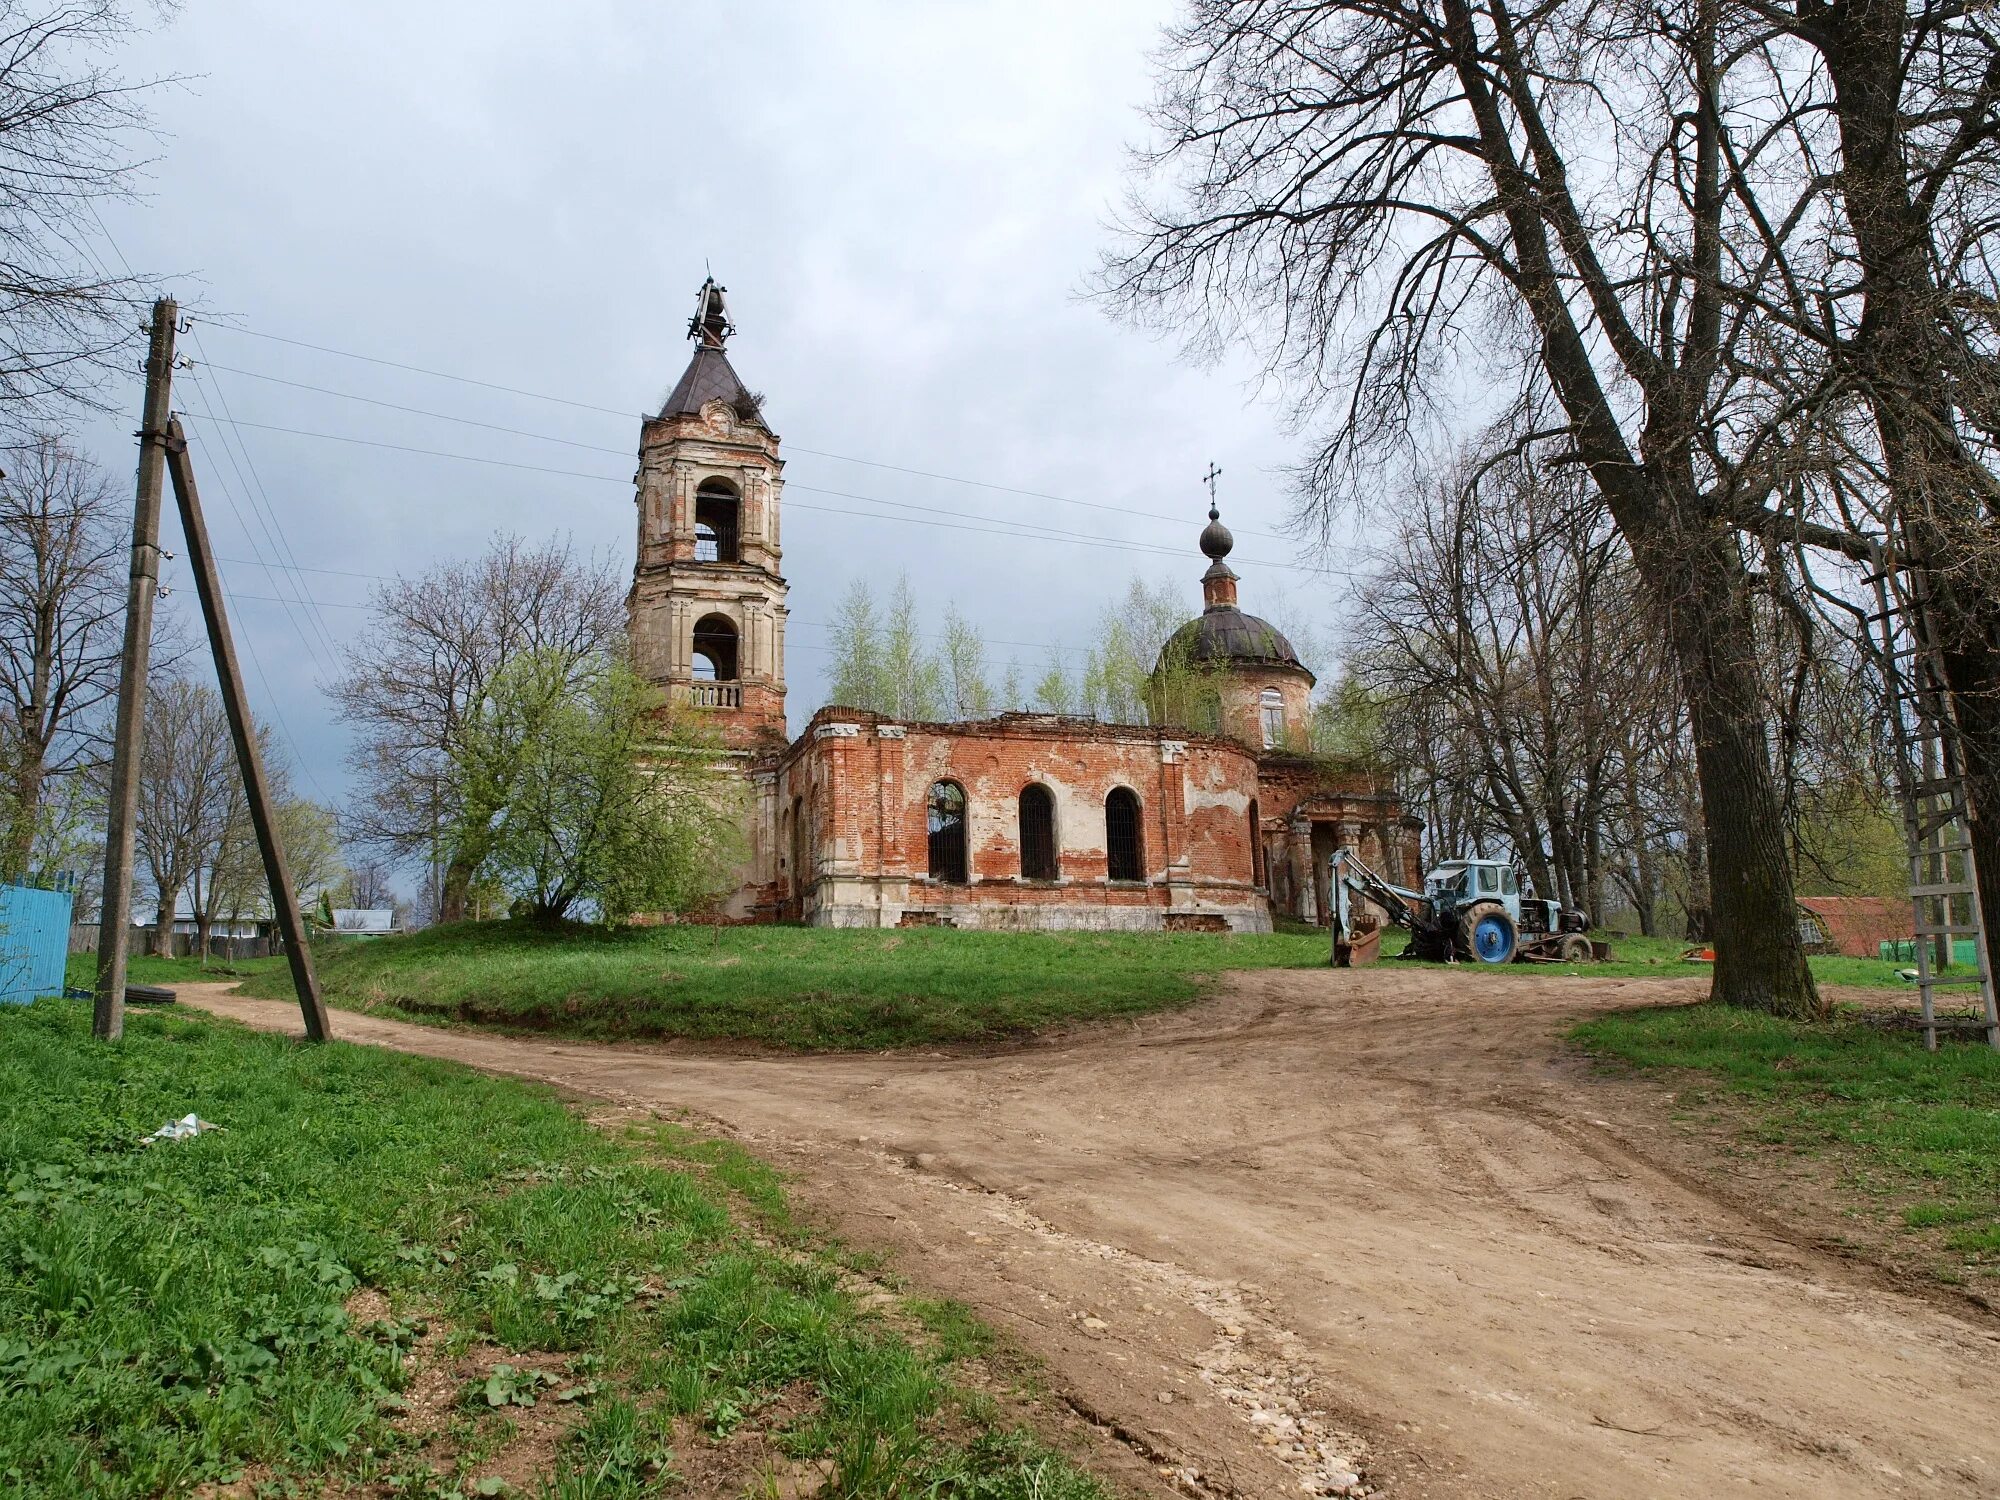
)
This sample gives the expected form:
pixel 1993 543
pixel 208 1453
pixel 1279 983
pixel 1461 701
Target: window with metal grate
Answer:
pixel 1124 850
pixel 1038 833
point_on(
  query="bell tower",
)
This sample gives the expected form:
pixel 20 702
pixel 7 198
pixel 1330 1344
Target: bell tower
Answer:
pixel 706 613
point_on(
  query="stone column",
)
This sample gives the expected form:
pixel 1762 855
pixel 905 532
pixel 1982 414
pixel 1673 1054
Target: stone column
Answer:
pixel 1305 884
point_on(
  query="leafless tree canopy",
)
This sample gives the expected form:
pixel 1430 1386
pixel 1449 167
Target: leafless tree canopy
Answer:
pixel 187 784
pixel 68 124
pixel 62 601
pixel 428 660
pixel 1381 195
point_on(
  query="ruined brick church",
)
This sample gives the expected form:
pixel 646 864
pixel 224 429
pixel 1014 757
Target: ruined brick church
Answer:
pixel 1024 820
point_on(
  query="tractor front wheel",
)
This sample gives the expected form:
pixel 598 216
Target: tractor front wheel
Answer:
pixel 1488 935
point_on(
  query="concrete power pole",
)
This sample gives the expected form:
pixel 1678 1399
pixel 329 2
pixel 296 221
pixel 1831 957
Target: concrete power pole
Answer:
pixel 122 814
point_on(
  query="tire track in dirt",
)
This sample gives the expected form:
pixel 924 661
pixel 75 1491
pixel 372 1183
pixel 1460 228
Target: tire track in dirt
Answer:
pixel 1439 1236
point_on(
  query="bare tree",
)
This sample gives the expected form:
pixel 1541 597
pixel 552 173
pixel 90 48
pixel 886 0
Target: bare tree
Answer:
pixel 62 602
pixel 368 885
pixel 67 124
pixel 1891 307
pixel 1377 191
pixel 187 769
pixel 1489 639
pixel 423 667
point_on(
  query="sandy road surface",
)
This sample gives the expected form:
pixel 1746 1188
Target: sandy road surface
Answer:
pixel 1356 1196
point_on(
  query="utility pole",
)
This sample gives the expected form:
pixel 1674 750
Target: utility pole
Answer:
pixel 122 815
pixel 249 756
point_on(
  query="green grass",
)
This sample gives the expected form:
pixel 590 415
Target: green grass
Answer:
pixel 170 1315
pixel 1660 958
pixel 822 988
pixel 143 968
pixel 791 986
pixel 1916 1131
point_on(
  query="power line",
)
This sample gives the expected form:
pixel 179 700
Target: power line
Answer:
pixel 420 370
pixel 281 543
pixel 1025 530
pixel 220 433
pixel 793 621
pixel 418 411
pixel 849 458
pixel 284 729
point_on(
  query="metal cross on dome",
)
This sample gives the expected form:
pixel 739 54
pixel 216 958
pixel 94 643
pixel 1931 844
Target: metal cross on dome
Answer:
pixel 1209 479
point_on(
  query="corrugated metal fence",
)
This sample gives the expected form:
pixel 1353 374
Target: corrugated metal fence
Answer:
pixel 34 941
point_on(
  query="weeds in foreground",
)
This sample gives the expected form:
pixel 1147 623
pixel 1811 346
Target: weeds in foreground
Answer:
pixel 173 1314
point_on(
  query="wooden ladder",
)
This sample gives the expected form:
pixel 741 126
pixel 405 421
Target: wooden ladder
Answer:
pixel 1930 783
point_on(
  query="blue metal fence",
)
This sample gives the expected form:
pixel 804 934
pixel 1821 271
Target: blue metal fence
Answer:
pixel 34 942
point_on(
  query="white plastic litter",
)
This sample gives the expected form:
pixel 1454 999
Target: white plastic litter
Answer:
pixel 178 1130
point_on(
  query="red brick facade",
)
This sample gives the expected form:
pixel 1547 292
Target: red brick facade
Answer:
pixel 1144 827
pixel 854 848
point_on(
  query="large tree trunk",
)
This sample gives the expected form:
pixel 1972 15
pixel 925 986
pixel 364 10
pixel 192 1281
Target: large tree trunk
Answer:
pixel 1946 522
pixel 1760 961
pixel 163 928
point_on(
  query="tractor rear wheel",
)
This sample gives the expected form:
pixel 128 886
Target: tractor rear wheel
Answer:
pixel 1487 933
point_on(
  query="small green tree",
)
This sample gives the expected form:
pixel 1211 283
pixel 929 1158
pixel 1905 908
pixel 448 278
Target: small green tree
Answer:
pixel 1055 694
pixel 1347 724
pixel 857 650
pixel 962 662
pixel 612 801
pixel 913 681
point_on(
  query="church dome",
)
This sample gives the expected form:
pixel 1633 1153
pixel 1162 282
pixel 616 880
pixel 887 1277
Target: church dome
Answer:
pixel 1222 635
pixel 1229 637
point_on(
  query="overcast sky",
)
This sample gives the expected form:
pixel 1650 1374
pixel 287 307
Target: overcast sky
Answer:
pixel 903 200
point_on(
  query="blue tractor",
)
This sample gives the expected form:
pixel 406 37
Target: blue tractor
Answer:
pixel 1470 909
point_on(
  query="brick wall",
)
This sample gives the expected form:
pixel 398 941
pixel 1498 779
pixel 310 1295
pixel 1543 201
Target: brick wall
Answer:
pixel 857 786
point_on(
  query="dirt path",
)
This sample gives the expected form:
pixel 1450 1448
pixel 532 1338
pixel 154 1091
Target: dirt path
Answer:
pixel 1345 1209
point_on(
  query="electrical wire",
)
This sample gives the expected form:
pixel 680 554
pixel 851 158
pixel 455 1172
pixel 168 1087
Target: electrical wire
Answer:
pixel 219 433
pixel 1030 531
pixel 1005 489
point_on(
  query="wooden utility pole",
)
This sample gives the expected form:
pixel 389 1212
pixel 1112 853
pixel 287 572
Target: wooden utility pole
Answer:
pixel 249 757
pixel 122 814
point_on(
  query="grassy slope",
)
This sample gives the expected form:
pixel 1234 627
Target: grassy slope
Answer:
pixel 169 1314
pixel 796 986
pixel 1915 1131
pixel 144 968
pixel 823 988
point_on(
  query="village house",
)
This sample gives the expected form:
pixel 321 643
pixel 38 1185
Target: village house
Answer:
pixel 1023 820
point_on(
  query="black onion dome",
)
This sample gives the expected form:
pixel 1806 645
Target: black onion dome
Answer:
pixel 1215 538
pixel 1228 636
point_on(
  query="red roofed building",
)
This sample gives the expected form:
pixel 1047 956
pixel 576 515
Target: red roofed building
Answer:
pixel 1856 926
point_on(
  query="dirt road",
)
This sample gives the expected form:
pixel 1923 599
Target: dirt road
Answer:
pixel 1350 1212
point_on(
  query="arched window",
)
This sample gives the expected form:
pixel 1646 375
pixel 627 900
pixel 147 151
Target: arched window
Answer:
pixel 946 818
pixel 1124 850
pixel 1256 846
pixel 1038 832
pixel 1271 711
pixel 716 510
pixel 715 649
